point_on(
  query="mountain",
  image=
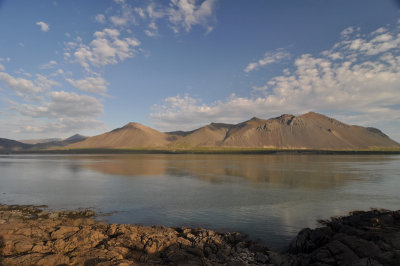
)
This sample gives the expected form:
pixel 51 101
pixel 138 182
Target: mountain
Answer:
pixel 12 145
pixel 210 135
pixel 60 143
pixel 75 138
pixel 307 131
pixel 131 135
pixel 39 141
pixel 39 144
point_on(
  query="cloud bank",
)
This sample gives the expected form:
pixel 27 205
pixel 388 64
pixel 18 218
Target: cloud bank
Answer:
pixel 357 79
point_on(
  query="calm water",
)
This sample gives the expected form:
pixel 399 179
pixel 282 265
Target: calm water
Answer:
pixel 270 197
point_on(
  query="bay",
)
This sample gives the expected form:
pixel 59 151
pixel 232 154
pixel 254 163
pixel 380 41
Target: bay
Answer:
pixel 268 197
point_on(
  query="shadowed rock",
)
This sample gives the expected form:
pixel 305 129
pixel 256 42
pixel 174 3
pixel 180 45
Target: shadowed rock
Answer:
pixel 363 238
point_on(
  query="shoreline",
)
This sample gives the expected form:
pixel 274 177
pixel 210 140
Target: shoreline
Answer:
pixel 250 151
pixel 31 235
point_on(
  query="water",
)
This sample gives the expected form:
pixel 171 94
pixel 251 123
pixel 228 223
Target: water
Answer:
pixel 270 197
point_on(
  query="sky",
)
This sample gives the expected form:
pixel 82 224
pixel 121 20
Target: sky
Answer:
pixel 71 66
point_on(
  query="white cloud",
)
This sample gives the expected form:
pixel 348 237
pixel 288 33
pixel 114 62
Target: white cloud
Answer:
pixel 2 68
pixel 43 26
pixel 106 48
pixel 154 12
pixel 60 113
pixel 65 105
pixel 187 13
pixel 361 86
pixel 125 17
pixel 60 126
pixel 24 86
pixel 48 65
pixel 269 58
pixel 100 18
pixel 348 31
pixel 90 84
pixel 140 12
pixel 152 30
pixel 45 83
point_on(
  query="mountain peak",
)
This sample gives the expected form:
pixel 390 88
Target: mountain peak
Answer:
pixel 254 118
pixel 134 125
pixel 313 114
pixel 76 137
pixel 285 117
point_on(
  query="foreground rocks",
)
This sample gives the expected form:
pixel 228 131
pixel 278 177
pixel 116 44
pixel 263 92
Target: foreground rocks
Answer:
pixel 30 235
pixel 362 238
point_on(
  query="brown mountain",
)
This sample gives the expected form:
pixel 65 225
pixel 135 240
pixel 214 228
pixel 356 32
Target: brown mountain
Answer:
pixel 132 135
pixel 307 131
pixel 210 135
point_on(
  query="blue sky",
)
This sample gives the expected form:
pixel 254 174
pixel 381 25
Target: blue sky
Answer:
pixel 87 67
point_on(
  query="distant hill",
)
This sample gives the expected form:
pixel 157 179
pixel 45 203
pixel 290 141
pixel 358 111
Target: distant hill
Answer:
pixel 75 138
pixel 307 131
pixel 39 144
pixel 39 141
pixel 12 145
pixel 60 143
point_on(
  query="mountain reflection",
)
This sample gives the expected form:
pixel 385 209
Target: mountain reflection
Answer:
pixel 308 171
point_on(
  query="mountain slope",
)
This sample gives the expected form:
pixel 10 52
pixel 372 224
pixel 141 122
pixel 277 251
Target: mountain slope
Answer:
pixel 60 143
pixel 207 136
pixel 131 135
pixel 307 131
pixel 12 145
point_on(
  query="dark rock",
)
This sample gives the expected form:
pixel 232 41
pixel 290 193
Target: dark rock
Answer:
pixel 261 258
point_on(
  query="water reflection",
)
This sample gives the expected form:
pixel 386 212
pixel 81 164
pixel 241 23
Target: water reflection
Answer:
pixel 266 196
pixel 313 172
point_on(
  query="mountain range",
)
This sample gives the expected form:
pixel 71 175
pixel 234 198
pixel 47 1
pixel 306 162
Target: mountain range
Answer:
pixel 38 144
pixel 308 131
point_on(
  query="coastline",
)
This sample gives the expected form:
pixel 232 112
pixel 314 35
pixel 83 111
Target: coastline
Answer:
pixel 204 150
pixel 31 235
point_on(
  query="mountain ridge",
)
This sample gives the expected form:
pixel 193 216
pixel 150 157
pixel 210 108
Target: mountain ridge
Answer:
pixel 307 131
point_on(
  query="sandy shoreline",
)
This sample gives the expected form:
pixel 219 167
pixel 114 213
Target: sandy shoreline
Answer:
pixel 30 235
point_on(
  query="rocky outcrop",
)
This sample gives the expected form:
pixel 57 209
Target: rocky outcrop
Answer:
pixel 31 236
pixel 362 238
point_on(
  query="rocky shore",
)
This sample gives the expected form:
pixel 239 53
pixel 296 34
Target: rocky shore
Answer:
pixel 29 235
